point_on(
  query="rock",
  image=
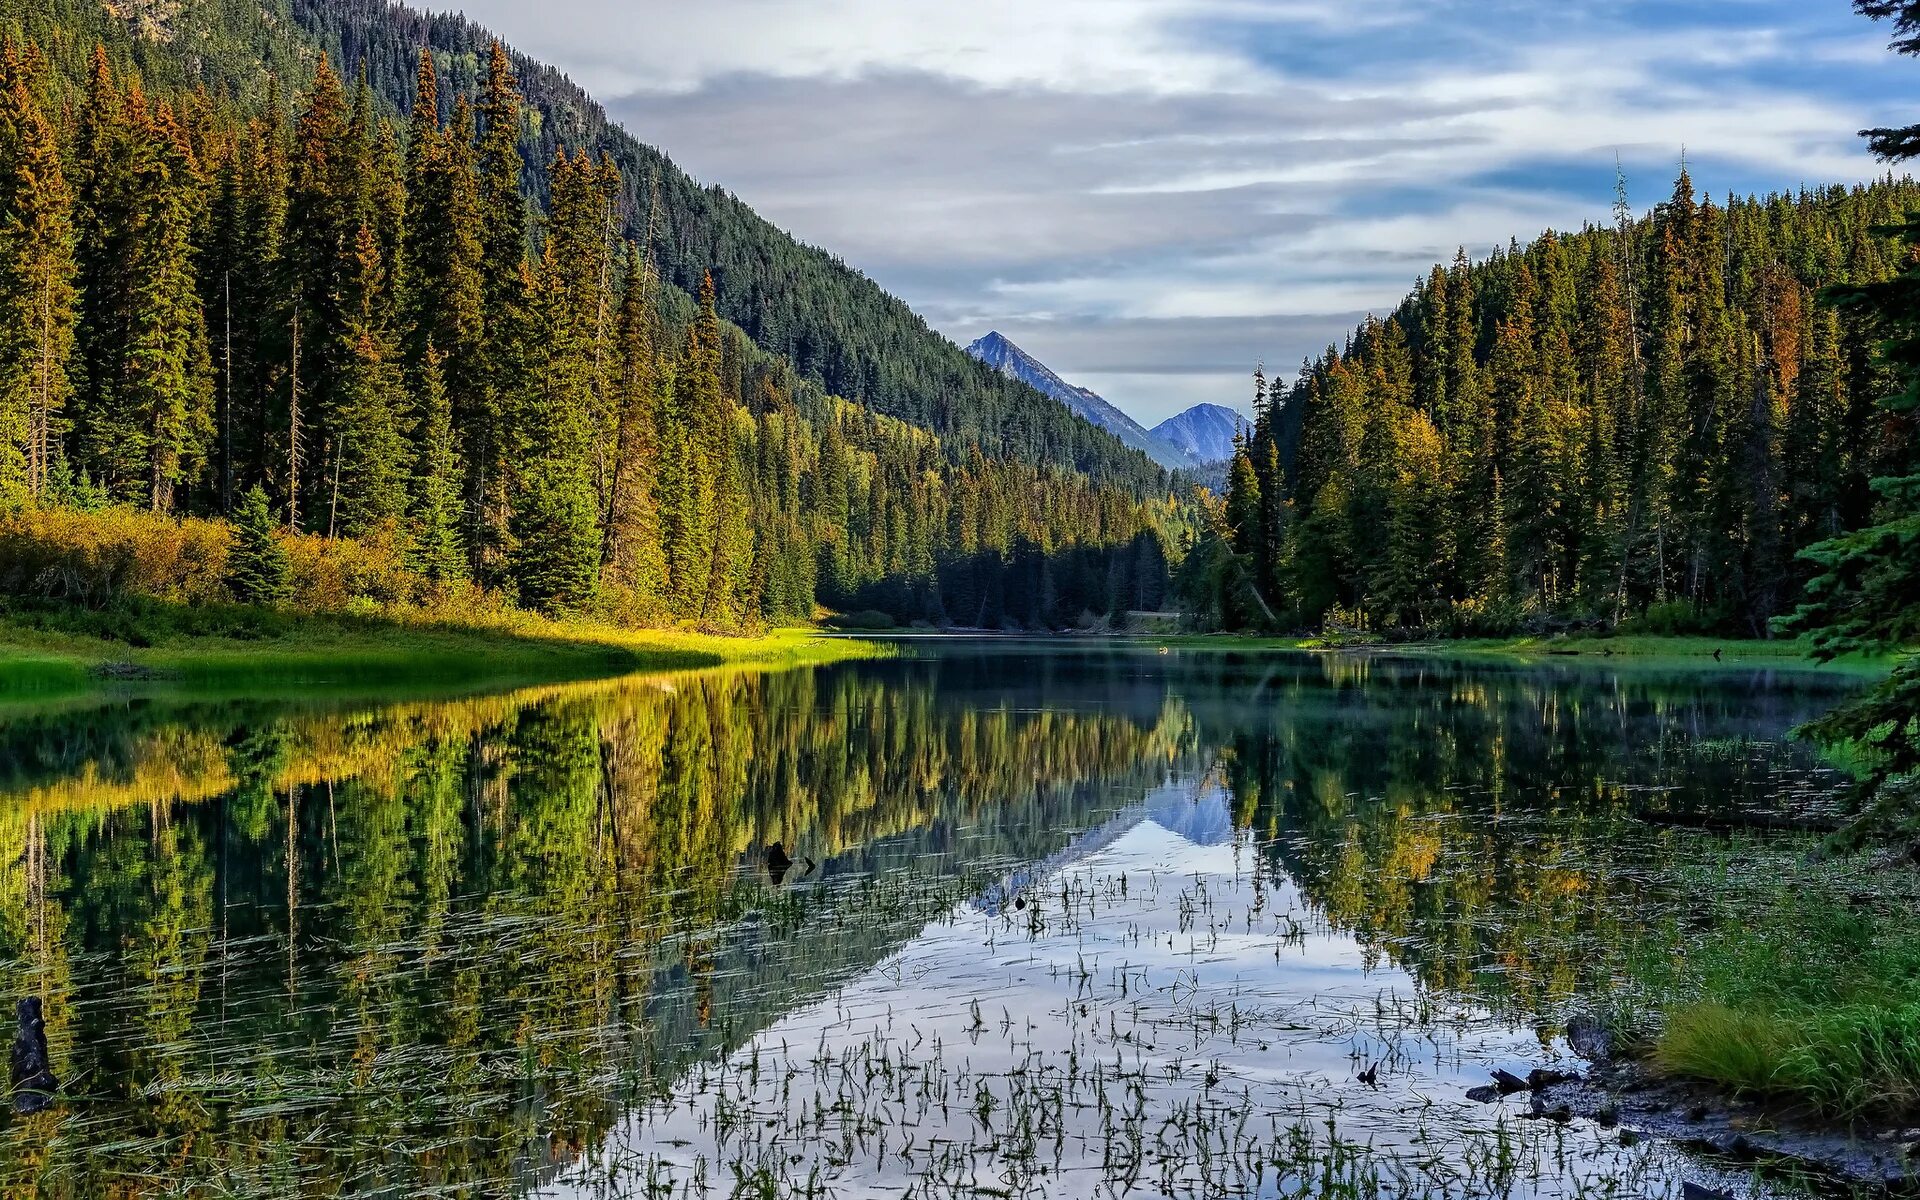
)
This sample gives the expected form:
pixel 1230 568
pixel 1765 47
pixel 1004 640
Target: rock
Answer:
pixel 1607 1117
pixel 1693 1191
pixel 1590 1039
pixel 125 670
pixel 1509 1083
pixel 33 1083
pixel 1561 1112
pixel 778 864
pixel 1544 1077
pixel 1486 1093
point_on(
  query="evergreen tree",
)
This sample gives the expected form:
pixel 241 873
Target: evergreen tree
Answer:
pixel 1866 595
pixel 258 570
pixel 37 286
pixel 434 546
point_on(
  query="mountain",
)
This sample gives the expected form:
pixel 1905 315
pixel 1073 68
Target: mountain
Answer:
pixel 1204 432
pixel 1002 355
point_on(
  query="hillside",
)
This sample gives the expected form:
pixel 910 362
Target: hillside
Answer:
pixel 1002 355
pixel 837 327
pixel 1645 421
pixel 413 350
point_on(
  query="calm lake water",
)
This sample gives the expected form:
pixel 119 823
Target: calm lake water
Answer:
pixel 1061 922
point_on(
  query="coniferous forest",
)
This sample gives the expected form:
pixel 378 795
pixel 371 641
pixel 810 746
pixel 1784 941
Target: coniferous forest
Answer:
pixel 381 325
pixel 1640 421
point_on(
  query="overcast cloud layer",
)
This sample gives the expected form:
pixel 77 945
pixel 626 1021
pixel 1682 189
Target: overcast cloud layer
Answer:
pixel 1152 196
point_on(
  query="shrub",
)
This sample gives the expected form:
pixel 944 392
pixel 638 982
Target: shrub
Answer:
pixel 330 573
pixel 96 558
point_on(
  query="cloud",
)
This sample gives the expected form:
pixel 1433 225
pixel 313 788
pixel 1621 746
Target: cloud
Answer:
pixel 1160 193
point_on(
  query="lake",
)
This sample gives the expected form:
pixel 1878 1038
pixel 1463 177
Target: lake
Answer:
pixel 988 919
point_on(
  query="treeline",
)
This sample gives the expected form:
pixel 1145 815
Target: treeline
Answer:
pixel 1644 421
pixel 364 320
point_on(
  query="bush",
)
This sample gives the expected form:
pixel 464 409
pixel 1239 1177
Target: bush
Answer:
pixel 329 574
pixel 94 559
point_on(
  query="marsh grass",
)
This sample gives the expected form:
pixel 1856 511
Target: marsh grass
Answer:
pixel 1801 986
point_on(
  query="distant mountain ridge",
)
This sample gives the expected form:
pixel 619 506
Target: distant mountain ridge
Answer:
pixel 998 351
pixel 1199 438
pixel 1204 432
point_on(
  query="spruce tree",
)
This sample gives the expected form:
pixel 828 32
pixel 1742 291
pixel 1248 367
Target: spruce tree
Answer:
pixel 434 546
pixel 37 293
pixel 258 570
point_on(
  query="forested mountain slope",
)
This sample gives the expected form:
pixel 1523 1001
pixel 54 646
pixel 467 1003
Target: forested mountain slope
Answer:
pixel 1646 420
pixel 837 327
pixel 225 266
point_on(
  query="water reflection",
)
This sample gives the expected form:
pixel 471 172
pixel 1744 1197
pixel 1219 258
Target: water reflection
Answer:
pixel 492 945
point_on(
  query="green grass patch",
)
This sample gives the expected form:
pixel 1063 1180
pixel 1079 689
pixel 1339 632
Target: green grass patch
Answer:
pixel 47 650
pixel 1801 984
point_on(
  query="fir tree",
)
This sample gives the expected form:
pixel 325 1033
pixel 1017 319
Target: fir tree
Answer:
pixel 37 286
pixel 434 546
pixel 1866 595
pixel 258 570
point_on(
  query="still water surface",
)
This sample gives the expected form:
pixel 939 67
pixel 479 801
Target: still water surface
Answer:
pixel 1062 922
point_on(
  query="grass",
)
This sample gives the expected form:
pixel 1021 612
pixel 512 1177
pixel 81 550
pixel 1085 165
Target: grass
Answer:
pixel 1801 986
pixel 46 650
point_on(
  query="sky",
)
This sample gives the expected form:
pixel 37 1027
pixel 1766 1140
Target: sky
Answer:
pixel 1155 196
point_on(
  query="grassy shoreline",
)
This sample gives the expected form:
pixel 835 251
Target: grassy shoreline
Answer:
pixel 244 651
pixel 1800 984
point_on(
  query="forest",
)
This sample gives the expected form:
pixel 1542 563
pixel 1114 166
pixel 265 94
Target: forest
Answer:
pixel 1639 422
pixel 320 318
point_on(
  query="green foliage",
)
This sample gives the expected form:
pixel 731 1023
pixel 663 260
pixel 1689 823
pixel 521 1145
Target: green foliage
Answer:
pixel 1798 995
pixel 258 570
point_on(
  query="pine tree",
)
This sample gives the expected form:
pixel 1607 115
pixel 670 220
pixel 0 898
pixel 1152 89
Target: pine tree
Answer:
pixel 556 557
pixel 165 404
pixel 258 570
pixel 434 546
pixel 368 409
pixel 505 280
pixel 631 521
pixel 37 293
